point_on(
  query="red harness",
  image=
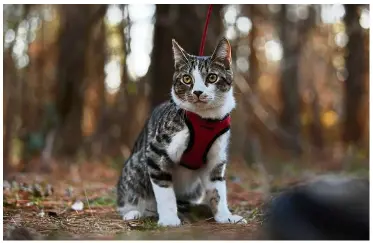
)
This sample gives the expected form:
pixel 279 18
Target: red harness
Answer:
pixel 203 133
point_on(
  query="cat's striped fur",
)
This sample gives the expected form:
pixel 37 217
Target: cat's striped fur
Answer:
pixel 151 181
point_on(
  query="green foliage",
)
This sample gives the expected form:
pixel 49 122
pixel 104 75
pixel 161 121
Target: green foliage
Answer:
pixel 148 224
pixel 256 214
pixel 103 201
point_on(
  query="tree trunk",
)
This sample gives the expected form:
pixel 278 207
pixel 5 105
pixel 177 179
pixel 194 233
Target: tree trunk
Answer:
pixel 354 84
pixel 255 16
pixel 10 107
pixel 94 98
pixel 127 101
pixel 315 127
pixel 74 36
pixel 289 90
pixel 251 137
pixel 11 99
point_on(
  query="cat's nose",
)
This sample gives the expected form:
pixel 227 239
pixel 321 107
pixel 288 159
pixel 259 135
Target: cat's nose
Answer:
pixel 197 92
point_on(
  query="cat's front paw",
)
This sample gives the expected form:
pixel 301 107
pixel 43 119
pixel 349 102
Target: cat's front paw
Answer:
pixel 169 221
pixel 230 219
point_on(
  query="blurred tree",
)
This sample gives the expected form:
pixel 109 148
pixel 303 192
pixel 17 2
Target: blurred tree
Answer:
pixel 76 26
pixel 289 90
pixel 356 67
pixel 95 79
pixel 255 14
pixel 315 128
pixel 57 99
pixel 10 107
pixel 35 108
pixel 130 93
pixel 94 96
pixel 184 23
pixel 293 34
pixel 117 137
pixel 12 87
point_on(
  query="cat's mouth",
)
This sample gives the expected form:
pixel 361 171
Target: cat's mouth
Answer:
pixel 197 101
pixel 200 102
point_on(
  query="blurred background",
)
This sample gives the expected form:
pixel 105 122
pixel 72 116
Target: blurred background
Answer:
pixel 80 81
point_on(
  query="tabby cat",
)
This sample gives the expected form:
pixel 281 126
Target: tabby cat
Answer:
pixel 181 153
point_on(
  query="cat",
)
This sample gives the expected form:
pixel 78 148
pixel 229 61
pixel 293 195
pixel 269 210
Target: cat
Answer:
pixel 181 153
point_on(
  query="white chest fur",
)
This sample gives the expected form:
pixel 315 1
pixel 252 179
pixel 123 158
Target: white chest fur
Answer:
pixel 178 145
pixel 219 150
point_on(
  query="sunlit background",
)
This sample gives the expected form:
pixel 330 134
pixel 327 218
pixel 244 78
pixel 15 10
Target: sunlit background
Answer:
pixel 142 27
pixel 115 107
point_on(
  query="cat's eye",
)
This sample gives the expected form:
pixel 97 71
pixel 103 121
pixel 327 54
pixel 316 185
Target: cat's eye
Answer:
pixel 187 79
pixel 212 78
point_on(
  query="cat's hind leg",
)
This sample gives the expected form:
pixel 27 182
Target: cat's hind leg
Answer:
pixel 129 206
pixel 132 190
pixel 144 208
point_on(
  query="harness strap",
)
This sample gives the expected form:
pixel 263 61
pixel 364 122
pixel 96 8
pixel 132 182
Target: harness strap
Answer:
pixel 203 134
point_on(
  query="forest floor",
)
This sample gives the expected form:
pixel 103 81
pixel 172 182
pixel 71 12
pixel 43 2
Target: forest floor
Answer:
pixel 78 202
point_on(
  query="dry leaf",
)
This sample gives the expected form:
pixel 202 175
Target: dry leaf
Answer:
pixel 77 206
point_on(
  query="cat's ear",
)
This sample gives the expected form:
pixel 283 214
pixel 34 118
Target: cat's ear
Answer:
pixel 222 53
pixel 180 56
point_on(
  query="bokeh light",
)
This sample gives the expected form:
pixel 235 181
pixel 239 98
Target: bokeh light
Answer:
pixel 273 50
pixel 365 18
pixel 244 25
pixel 113 77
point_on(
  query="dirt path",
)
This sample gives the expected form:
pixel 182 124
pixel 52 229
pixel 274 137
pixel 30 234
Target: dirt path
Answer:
pixel 42 204
pixel 108 225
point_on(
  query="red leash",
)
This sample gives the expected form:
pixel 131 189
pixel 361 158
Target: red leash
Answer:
pixel 202 47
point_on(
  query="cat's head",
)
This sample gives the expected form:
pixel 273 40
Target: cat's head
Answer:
pixel 203 84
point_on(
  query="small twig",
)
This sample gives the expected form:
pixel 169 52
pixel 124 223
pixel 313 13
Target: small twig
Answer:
pixel 209 218
pixel 64 210
pixel 239 221
pixel 119 226
pixel 47 150
pixel 86 198
pixel 266 184
pixel 90 209
pixel 14 221
pixel 44 203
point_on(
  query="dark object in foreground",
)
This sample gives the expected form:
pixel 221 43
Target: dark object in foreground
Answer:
pixel 19 233
pixel 330 208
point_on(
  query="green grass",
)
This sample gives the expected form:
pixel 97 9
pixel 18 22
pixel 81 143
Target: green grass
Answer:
pixel 103 201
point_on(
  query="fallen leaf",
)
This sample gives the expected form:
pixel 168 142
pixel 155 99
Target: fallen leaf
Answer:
pixel 29 204
pixel 41 214
pixel 77 206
